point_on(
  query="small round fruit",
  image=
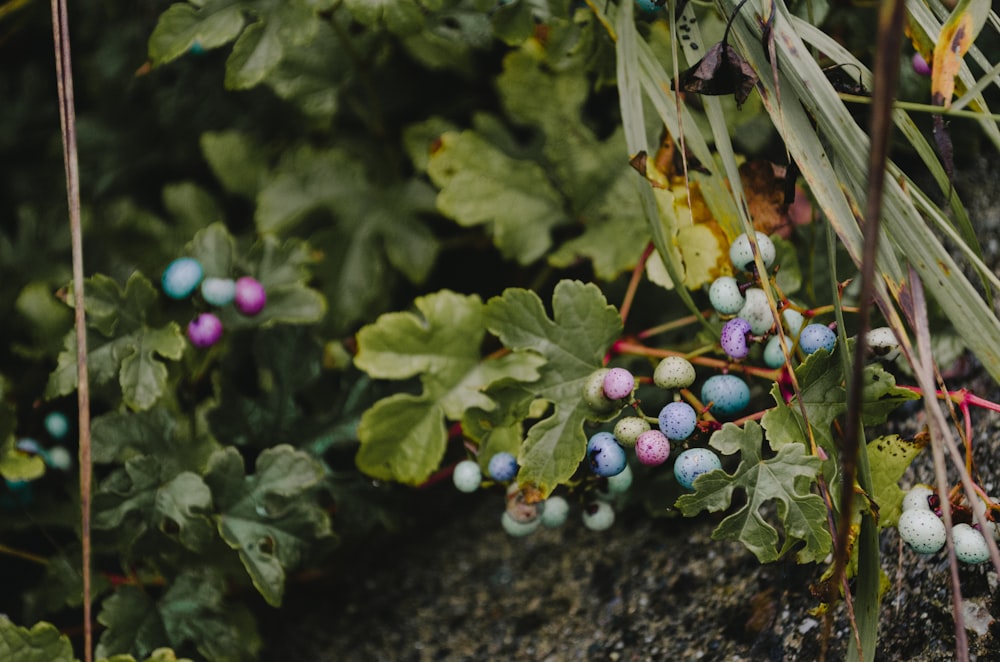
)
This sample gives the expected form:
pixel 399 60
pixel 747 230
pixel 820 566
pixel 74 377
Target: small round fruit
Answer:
pixel 181 277
pixel 692 463
pixel 922 530
pixel 598 516
pixel 678 420
pixel 620 483
pixel 593 391
pixel 606 456
pixel 757 311
pixel 628 429
pixel 502 466
pixel 728 394
pixel 793 321
pixel 674 372
pixel 618 383
pixel 648 6
pixel 555 512
pixel 920 66
pixel 250 297
pixel 218 291
pixel 970 545
pixel 773 356
pixel 56 424
pixel 652 448
pixel 815 337
pixel 519 529
pixel 733 338
pixel 204 330
pixel 725 296
pixel 741 252
pixel 882 343
pixel 519 509
pixel 59 458
pixel 467 476
pixel 916 498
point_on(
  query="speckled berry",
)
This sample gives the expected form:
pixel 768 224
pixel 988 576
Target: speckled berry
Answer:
pixel 916 498
pixel 882 343
pixel 725 296
pixel 773 356
pixel 652 448
pixel 467 476
pixel 970 545
pixel 693 463
pixel 922 530
pixel 218 291
pixel 555 512
pixel 204 330
pixel 728 394
pixel 605 455
pixel 598 516
pixel 502 466
pixel 741 252
pixel 628 429
pixel 593 391
pixel 56 424
pixel 815 337
pixel 757 311
pixel 517 529
pixel 734 337
pixel 674 372
pixel 618 383
pixel 678 420
pixel 181 277
pixel 793 320
pixel 250 297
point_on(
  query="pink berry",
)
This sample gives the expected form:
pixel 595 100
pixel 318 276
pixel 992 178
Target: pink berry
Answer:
pixel 652 448
pixel 618 383
pixel 204 330
pixel 250 296
pixel 920 65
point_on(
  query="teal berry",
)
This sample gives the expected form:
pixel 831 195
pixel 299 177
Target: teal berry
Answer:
pixel 59 458
pixel 598 516
pixel 741 252
pixel 467 476
pixel 620 483
pixel 649 6
pixel 725 296
pixel 693 463
pixel 728 394
pixel 218 291
pixel 815 337
pixel 605 455
pixel 773 356
pixel 518 529
pixel 678 420
pixel 502 466
pixel 793 320
pixel 181 277
pixel 56 424
pixel 555 512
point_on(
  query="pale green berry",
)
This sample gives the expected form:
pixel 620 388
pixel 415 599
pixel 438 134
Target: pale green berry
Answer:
pixel 773 356
pixel 741 252
pixel 519 529
pixel 757 312
pixel 593 391
pixel 467 476
pixel 970 545
pixel 620 483
pixel 674 372
pixel 555 512
pixel 598 516
pixel 628 429
pixel 793 321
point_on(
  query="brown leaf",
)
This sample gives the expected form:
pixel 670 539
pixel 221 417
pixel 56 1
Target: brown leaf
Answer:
pixel 721 71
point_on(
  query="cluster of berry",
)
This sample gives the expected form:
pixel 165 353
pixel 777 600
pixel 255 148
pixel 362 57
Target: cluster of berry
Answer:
pixel 921 527
pixel 19 492
pixel 184 275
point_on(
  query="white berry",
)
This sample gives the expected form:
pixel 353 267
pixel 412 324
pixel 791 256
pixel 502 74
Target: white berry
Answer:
pixel 882 343
pixel 725 296
pixel 757 312
pixel 970 545
pixel 741 252
pixel 598 516
pixel 922 530
pixel 916 498
pixel 555 512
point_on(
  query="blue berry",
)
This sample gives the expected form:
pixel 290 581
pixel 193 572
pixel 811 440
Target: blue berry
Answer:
pixel 181 277
pixel 250 297
pixel 693 463
pixel 725 296
pixel 30 446
pixel 502 466
pixel 678 420
pixel 56 424
pixel 734 338
pixel 741 252
pixel 467 476
pixel 606 456
pixel 204 330
pixel 218 291
pixel 815 337
pixel 728 394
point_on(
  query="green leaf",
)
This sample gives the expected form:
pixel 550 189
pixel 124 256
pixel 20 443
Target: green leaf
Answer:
pixel 403 437
pixel 890 455
pixel 132 622
pixel 190 204
pixel 399 16
pixel 120 436
pixel 480 185
pixel 268 517
pixel 236 161
pixel 785 478
pixel 16 465
pixel 42 643
pixel 214 24
pixel 573 343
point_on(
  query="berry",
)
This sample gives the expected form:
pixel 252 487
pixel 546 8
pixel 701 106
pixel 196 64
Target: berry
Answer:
pixel 793 320
pixel 619 484
pixel 593 391
pixel 606 456
pixel 555 512
pixel 773 356
pixel 916 498
pixel 30 446
pixel 250 296
pixel 693 463
pixel 920 65
pixel 628 429
pixel 970 545
pixel 882 343
pixel 59 458
pixel 815 337
pixel 734 338
pixel 467 476
pixel 652 448
pixel 519 529
pixel 502 466
pixel 218 291
pixel 618 383
pixel 678 420
pixel 728 394
pixel 741 252
pixel 519 509
pixel 204 330
pixel 757 311
pixel 56 424
pixel 725 296
pixel 181 277
pixel 598 516
pixel 674 372
pixel 648 6
pixel 922 530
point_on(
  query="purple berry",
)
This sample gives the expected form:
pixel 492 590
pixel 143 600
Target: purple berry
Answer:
pixel 250 297
pixel 920 65
pixel 181 277
pixel 652 448
pixel 618 383
pixel 678 420
pixel 204 330
pixel 606 456
pixel 734 338
pixel 502 466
